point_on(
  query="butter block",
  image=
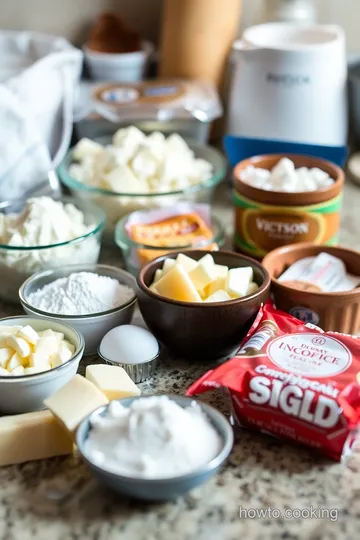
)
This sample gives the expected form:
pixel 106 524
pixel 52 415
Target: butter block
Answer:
pixel 238 281
pixel 9 329
pixel 113 381
pixel 158 275
pixel 221 271
pixel 218 296
pixel 19 345
pixel 40 362
pixel 177 285
pixel 15 361
pixel 167 266
pixel 216 285
pixel 207 260
pixel 5 354
pixel 202 275
pixel 252 287
pixel 74 401
pixel 29 334
pixel 187 262
pixel 32 436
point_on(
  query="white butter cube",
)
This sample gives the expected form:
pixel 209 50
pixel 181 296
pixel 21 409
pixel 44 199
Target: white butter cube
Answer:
pixel 238 281
pixel 177 285
pixel 69 346
pixel 158 275
pixel 221 271
pixel 168 265
pixel 187 262
pixel 85 148
pixel 20 345
pixel 47 346
pixel 29 334
pixel 202 275
pixel 113 381
pixel 63 355
pixel 46 333
pixel 218 296
pixel 9 329
pixel 4 372
pixel 30 371
pixel 15 361
pixel 207 261
pixel 153 288
pixel 216 285
pixel 18 371
pixel 39 361
pixel 5 355
pixel 123 180
pixel 252 287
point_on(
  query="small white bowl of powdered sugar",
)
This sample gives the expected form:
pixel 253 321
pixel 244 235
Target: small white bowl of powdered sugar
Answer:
pixel 92 298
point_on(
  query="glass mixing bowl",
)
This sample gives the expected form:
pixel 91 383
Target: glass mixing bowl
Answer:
pixel 18 263
pixel 116 205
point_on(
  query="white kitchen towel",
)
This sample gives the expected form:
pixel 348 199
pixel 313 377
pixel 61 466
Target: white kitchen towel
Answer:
pixel 39 76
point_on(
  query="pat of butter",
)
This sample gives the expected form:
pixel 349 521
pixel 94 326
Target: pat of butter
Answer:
pixel 29 334
pixel 218 296
pixel 158 275
pixel 113 381
pixel 32 436
pixel 5 355
pixel 238 281
pixel 19 345
pixel 188 263
pixel 74 401
pixel 202 275
pixel 177 285
pixel 252 287
pixel 168 265
pixel 9 329
pixel 15 361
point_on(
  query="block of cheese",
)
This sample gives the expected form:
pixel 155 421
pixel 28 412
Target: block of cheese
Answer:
pixel 202 275
pixel 32 436
pixel 238 281
pixel 188 263
pixel 74 401
pixel 113 381
pixel 177 285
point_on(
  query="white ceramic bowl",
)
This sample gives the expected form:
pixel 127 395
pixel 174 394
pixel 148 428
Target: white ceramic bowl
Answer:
pixel 121 67
pixel 93 326
pixel 26 393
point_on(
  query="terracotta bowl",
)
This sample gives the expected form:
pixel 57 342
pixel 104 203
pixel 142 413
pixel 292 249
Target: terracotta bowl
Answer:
pixel 339 312
pixel 196 330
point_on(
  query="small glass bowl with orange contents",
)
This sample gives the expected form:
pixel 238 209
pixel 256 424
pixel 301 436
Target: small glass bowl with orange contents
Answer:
pixel 145 235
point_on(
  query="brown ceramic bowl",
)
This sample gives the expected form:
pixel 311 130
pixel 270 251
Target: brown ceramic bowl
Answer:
pixel 281 198
pixel 196 330
pixel 339 312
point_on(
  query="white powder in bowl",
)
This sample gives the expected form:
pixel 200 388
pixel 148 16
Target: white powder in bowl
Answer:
pixel 81 293
pixel 153 438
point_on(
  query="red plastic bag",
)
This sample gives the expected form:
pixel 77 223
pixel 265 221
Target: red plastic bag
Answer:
pixel 295 381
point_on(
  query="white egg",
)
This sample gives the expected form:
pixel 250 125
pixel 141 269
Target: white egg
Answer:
pixel 129 344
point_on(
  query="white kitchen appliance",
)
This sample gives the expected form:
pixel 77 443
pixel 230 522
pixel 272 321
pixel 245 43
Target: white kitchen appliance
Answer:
pixel 289 83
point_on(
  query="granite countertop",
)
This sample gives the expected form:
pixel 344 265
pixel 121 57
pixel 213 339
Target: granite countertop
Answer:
pixel 57 499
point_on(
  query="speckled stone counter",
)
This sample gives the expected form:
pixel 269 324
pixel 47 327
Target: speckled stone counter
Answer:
pixel 57 499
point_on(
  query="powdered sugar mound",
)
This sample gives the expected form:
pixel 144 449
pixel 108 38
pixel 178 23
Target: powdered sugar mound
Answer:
pixel 81 293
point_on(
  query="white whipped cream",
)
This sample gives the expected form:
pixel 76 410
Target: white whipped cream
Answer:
pixel 153 438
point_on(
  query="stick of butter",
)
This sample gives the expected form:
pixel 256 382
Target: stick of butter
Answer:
pixel 32 436
pixel 113 381
pixel 74 401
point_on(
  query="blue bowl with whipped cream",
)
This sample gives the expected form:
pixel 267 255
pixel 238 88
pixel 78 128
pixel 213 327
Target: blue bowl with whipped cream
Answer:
pixel 155 448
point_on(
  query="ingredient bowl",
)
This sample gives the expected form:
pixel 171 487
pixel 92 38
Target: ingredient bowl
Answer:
pixel 201 331
pixel 120 67
pixel 116 204
pixel 26 393
pixel 338 311
pixel 93 326
pixel 166 488
pixel 18 263
pixel 130 248
pixel 265 220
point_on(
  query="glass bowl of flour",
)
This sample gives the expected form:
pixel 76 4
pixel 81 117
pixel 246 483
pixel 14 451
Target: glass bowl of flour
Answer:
pixel 92 298
pixel 42 233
